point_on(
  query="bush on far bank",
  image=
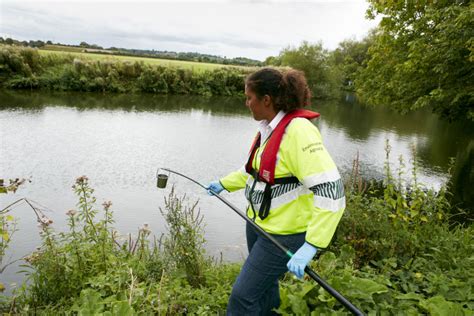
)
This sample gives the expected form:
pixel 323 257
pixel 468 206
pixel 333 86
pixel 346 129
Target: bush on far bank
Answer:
pixel 25 68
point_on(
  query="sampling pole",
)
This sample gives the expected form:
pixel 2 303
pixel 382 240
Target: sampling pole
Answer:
pixel 308 270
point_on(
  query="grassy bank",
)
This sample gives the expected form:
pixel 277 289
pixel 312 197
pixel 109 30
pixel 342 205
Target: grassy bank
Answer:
pixel 194 66
pixel 395 253
pixel 26 68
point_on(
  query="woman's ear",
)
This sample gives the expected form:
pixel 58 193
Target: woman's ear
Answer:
pixel 267 100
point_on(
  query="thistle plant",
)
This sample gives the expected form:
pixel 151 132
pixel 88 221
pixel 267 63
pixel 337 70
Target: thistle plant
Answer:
pixel 85 205
pixel 185 241
pixel 75 240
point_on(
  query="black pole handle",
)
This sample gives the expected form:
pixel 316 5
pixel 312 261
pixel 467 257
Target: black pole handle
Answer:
pixel 338 296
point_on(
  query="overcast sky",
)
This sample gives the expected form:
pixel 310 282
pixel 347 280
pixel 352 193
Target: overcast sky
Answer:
pixel 253 29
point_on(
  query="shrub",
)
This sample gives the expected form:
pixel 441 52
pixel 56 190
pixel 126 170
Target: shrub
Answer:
pixel 92 269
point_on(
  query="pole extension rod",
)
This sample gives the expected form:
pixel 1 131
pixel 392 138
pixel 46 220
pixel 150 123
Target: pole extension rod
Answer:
pixel 354 310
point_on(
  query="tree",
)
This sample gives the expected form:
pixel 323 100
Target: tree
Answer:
pixel 312 59
pixel 272 61
pixel 350 58
pixel 422 57
pixel 38 43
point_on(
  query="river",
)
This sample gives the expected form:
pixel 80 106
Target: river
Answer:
pixel 119 141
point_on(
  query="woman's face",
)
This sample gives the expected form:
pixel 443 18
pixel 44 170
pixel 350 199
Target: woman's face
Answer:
pixel 257 106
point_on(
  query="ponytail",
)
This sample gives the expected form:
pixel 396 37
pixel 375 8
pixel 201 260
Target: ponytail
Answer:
pixel 288 89
pixel 296 93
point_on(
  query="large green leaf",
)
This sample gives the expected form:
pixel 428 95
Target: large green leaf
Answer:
pixel 122 309
pixel 90 303
pixel 438 306
pixel 364 288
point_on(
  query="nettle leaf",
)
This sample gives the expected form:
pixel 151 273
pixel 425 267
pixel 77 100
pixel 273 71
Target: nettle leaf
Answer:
pixel 364 288
pixel 438 306
pixel 324 296
pixel 347 254
pixel 327 262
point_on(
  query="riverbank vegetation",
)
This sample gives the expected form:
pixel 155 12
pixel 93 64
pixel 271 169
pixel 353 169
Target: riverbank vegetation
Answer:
pixel 26 68
pixel 396 252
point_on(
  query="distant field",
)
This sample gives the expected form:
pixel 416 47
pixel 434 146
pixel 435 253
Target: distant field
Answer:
pixel 76 51
pixel 62 48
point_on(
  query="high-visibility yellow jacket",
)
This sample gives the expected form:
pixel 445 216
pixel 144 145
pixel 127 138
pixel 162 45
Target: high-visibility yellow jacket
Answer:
pixel 315 205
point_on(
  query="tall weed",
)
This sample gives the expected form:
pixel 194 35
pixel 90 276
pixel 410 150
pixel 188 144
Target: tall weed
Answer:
pixel 183 246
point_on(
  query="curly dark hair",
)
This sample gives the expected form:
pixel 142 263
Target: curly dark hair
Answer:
pixel 288 89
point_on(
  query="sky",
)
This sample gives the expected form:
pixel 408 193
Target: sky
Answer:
pixel 253 29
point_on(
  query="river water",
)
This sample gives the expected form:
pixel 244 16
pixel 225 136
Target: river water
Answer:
pixel 119 141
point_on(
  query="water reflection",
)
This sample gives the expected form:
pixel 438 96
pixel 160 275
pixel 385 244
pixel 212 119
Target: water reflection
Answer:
pixel 35 101
pixel 437 141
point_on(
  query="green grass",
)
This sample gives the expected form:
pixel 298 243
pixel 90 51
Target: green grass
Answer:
pixel 196 66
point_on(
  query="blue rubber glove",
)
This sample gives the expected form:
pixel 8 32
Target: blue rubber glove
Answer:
pixel 215 186
pixel 301 258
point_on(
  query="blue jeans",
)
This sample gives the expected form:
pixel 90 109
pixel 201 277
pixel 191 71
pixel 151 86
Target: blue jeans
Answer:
pixel 256 291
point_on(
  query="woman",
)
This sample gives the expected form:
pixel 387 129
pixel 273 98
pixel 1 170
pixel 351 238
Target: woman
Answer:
pixel 293 187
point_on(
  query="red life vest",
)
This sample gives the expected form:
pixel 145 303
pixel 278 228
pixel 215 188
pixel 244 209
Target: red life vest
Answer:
pixel 266 171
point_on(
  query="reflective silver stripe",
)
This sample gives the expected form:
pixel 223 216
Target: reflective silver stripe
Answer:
pixel 318 178
pixel 282 199
pixel 329 204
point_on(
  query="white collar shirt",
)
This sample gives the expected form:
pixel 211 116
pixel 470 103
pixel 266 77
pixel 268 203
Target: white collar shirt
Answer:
pixel 266 128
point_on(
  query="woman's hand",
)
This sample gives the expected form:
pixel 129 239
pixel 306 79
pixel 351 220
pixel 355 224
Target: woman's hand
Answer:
pixel 301 258
pixel 214 186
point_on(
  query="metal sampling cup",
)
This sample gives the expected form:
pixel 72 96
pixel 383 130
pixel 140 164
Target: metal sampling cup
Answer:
pixel 161 178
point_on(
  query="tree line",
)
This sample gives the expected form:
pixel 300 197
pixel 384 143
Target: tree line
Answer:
pixel 420 56
pixel 185 56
